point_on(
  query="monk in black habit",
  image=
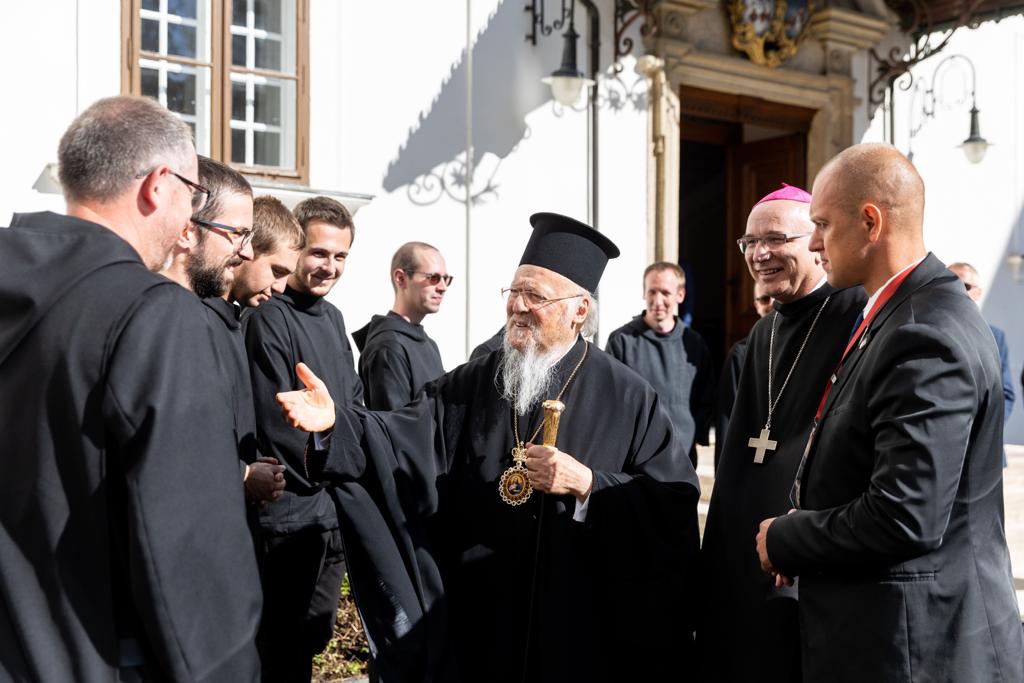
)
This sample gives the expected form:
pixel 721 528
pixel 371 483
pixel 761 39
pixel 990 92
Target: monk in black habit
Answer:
pixel 124 553
pixel 462 574
pixel 397 356
pixel 748 629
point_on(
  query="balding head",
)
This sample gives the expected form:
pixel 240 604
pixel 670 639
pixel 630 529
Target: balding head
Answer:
pixel 868 211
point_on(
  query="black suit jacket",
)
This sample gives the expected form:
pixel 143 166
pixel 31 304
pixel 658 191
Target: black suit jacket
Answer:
pixel 900 549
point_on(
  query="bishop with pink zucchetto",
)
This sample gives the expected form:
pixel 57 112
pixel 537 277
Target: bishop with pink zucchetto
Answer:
pixel 748 628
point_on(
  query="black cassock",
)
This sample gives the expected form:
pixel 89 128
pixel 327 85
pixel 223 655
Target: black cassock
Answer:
pixel 121 501
pixel 289 328
pixel 225 323
pixel 397 359
pixel 725 397
pixel 455 584
pixel 747 629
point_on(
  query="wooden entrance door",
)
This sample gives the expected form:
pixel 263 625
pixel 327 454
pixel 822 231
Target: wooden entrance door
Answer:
pixel 753 170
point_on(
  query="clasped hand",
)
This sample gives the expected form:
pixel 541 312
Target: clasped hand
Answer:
pixel 762 555
pixel 552 471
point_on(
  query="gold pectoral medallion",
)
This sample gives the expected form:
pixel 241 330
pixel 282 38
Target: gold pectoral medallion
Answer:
pixel 514 485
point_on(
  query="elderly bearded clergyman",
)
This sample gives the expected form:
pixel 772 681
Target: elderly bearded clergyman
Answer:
pixel 474 560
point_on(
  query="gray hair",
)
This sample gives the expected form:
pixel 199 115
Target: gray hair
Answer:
pixel 589 327
pixel 109 144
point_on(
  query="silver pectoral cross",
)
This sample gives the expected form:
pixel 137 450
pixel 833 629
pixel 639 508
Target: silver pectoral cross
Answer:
pixel 761 444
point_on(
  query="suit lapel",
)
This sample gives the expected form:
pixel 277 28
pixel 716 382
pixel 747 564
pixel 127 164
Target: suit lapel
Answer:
pixel 930 269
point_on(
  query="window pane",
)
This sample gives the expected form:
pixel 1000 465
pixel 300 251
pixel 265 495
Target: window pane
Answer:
pixel 268 105
pixel 150 35
pixel 182 8
pixel 237 101
pixel 181 40
pixel 238 8
pixel 238 146
pixel 268 15
pixel 151 4
pixel 150 80
pixel 268 149
pixel 181 92
pixel 268 54
pixel 238 50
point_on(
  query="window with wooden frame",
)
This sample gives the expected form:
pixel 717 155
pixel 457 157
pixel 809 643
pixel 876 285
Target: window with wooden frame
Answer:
pixel 237 71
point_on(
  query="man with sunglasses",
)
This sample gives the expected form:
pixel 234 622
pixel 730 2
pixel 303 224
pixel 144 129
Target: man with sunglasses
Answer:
pixel 299 541
pixel 397 357
pixel 124 553
pixel 748 629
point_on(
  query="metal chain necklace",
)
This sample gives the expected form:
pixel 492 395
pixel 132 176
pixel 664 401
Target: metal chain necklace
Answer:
pixel 514 485
pixel 763 443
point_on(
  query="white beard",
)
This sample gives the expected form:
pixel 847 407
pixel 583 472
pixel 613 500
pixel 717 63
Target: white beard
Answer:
pixel 527 376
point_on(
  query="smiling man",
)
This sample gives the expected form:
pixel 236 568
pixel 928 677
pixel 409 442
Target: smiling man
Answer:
pixel 477 554
pixel 749 629
pixel 300 545
pixel 398 358
pixel 669 355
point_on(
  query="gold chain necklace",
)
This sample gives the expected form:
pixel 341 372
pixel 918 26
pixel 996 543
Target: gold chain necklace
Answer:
pixel 514 485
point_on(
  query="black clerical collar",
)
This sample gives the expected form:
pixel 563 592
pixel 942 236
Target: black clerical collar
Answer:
pixel 307 303
pixel 805 303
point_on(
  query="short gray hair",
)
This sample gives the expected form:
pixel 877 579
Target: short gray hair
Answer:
pixel 109 144
pixel 589 327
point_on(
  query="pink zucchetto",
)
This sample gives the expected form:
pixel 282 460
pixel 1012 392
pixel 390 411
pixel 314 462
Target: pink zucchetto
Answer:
pixel 789 193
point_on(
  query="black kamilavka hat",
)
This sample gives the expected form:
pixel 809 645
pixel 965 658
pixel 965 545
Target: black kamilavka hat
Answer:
pixel 568 247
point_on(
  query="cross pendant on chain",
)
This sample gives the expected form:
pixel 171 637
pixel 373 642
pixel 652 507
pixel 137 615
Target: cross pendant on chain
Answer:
pixel 761 444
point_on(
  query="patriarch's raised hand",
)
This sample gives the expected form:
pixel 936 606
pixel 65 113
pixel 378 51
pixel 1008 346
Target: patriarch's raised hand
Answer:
pixel 310 409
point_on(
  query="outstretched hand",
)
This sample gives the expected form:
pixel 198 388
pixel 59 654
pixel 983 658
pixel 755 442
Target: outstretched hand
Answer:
pixel 310 409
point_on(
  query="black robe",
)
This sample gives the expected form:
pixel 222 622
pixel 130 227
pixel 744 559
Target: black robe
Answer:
pixel 728 383
pixel 121 505
pixel 678 366
pixel 396 360
pixel 224 319
pixel 494 343
pixel 443 570
pixel 748 630
pixel 284 330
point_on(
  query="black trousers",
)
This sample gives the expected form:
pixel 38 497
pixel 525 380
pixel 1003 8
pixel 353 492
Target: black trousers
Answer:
pixel 301 574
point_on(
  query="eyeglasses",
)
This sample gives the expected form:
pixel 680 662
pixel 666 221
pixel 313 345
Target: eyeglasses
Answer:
pixel 244 235
pixel 199 193
pixel 532 299
pixel 770 242
pixel 433 278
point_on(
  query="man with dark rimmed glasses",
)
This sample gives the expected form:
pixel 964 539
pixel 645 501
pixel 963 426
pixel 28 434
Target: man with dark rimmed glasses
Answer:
pixel 397 356
pixel 204 258
pixel 125 553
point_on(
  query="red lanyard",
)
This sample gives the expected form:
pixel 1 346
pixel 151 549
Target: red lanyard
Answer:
pixel 883 298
